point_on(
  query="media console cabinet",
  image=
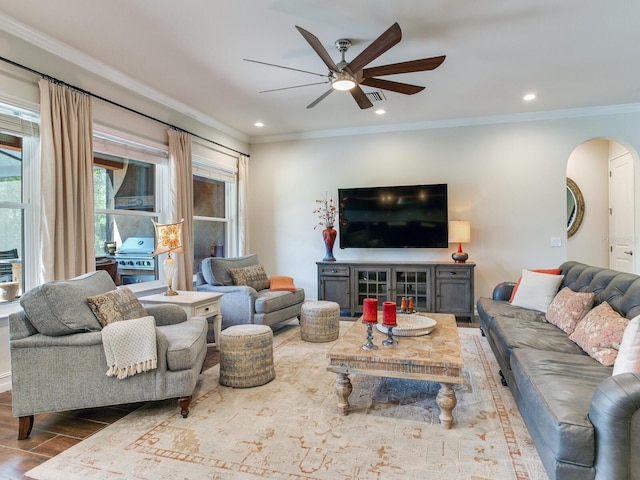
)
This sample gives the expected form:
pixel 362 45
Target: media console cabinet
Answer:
pixel 438 287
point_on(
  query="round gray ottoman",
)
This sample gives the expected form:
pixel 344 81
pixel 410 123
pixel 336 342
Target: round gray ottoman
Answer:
pixel 320 321
pixel 246 356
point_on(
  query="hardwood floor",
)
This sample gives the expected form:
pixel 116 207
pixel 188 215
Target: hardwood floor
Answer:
pixel 55 432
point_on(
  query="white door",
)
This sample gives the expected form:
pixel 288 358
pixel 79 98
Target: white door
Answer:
pixel 621 214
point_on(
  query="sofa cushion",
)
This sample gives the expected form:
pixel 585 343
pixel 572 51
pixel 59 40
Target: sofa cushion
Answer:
pixel 510 334
pixel 61 308
pixel 215 270
pixel 116 305
pixel 567 308
pixel 536 290
pixel 268 301
pixel 600 332
pixel 252 276
pixel 185 342
pixel 628 359
pixel 554 401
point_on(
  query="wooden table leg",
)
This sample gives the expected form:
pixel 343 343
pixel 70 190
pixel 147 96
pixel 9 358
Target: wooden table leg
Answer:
pixel 446 400
pixel 343 390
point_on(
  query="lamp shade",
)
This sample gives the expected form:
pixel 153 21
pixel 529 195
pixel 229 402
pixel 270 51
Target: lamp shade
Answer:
pixel 168 237
pixel 459 231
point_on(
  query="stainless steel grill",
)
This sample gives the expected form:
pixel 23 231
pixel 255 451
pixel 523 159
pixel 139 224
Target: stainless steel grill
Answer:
pixel 135 262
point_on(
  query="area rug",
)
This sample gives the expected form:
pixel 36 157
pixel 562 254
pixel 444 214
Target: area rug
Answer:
pixel 291 428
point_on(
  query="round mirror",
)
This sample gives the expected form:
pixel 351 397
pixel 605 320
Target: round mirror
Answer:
pixel 575 208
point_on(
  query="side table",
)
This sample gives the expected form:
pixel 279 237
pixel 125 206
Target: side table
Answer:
pixel 195 304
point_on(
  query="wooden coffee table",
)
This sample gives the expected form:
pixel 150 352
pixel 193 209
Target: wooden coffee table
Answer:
pixel 435 357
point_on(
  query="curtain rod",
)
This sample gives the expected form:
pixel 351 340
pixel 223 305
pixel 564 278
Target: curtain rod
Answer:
pixel 129 109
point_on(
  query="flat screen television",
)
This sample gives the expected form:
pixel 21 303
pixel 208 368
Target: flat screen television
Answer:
pixel 393 217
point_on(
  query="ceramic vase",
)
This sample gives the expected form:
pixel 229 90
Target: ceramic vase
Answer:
pixel 329 237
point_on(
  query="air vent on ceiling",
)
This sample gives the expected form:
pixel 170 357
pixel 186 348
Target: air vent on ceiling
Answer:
pixel 376 96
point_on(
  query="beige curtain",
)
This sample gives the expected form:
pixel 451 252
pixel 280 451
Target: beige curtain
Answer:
pixel 243 220
pixel 67 228
pixel 181 201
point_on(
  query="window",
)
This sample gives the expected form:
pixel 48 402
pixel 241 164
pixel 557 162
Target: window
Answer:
pixel 18 146
pixel 214 207
pixel 126 185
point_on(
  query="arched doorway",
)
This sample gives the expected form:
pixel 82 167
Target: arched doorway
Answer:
pixel 603 170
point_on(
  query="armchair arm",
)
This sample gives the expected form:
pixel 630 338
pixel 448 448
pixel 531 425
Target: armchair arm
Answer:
pixel 167 314
pixel 503 291
pixel 238 304
pixel 74 340
pixel 614 415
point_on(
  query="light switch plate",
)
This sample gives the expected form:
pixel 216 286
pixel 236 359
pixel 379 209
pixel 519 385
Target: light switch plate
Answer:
pixel 556 242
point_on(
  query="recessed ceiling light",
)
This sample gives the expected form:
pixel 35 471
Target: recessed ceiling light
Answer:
pixel 258 124
pixel 529 96
pixel 381 111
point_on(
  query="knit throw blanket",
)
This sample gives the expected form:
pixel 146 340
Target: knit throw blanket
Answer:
pixel 130 346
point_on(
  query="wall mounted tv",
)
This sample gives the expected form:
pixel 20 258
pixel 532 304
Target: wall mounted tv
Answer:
pixel 394 217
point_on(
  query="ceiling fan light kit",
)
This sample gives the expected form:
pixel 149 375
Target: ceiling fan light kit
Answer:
pixel 350 76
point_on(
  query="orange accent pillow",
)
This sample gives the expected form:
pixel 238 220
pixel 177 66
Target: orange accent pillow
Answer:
pixel 550 271
pixel 281 284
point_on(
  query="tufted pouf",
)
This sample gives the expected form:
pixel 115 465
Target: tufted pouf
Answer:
pixel 320 321
pixel 246 356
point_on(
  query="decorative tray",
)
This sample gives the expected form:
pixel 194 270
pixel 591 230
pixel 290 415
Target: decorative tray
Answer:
pixel 410 325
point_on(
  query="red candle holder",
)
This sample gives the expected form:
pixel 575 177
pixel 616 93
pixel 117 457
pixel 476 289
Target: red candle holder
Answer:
pixel 389 314
pixel 389 321
pixel 370 310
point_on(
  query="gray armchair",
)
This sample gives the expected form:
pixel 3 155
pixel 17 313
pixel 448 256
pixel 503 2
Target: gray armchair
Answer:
pixel 58 361
pixel 244 304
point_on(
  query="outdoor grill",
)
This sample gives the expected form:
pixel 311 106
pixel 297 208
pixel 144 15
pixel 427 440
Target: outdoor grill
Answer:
pixel 136 263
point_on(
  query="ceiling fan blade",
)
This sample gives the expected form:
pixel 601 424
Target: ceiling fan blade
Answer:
pixel 295 86
pixel 404 67
pixel 320 98
pixel 319 49
pixel 384 42
pixel 398 87
pixel 360 97
pixel 286 68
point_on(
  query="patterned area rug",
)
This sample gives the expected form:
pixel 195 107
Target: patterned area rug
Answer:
pixel 290 428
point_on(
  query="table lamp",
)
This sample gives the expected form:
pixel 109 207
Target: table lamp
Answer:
pixel 459 232
pixel 168 239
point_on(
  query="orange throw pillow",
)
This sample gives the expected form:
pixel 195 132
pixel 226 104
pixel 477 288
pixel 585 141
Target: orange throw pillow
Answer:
pixel 550 271
pixel 278 284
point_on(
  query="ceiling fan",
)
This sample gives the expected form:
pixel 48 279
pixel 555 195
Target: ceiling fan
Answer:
pixel 349 76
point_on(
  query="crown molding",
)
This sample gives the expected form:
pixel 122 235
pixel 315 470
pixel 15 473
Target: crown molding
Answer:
pixel 456 122
pixel 72 55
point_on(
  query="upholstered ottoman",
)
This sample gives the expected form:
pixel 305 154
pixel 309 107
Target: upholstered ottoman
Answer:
pixel 320 321
pixel 246 356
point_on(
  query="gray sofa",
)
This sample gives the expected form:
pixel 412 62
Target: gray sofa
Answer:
pixel 243 304
pixel 585 423
pixel 65 368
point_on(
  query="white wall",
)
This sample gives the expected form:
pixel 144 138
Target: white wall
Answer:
pixel 588 166
pixel 508 180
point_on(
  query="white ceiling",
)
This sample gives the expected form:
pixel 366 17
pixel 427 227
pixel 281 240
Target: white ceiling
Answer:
pixel 573 54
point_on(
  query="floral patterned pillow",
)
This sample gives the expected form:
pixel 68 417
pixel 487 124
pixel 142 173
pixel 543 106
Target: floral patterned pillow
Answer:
pixel 567 308
pixel 600 332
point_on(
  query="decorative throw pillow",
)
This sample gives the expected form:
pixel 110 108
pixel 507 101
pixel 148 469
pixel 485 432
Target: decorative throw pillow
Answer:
pixel 536 290
pixel 252 276
pixel 550 271
pixel 628 359
pixel 600 332
pixel 215 270
pixel 115 306
pixel 281 284
pixel 567 308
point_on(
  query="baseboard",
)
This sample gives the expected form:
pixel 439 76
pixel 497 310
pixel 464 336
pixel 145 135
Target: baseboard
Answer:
pixel 5 382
